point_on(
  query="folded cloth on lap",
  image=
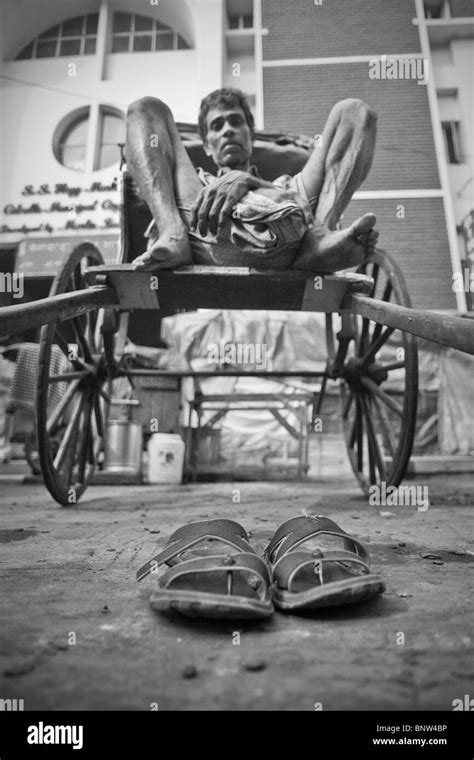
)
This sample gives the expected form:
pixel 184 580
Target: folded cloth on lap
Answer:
pixel 263 231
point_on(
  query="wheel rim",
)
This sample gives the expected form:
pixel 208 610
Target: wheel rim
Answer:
pixel 379 386
pixel 71 390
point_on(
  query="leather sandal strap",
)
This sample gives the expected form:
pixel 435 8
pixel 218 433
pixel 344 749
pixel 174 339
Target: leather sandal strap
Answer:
pixel 224 527
pixel 282 532
pixel 228 563
pixel 187 537
pixel 303 529
pixel 300 523
pixel 298 538
pixel 287 568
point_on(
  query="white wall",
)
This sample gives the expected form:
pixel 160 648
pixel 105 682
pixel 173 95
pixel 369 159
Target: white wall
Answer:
pixel 246 81
pixel 453 67
pixel 38 94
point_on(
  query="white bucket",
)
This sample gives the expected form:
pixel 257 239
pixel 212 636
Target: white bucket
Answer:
pixel 165 458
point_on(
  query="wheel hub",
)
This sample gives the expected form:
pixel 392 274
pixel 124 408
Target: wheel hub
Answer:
pixel 355 370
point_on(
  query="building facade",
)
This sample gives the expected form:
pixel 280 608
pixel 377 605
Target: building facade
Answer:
pixel 69 70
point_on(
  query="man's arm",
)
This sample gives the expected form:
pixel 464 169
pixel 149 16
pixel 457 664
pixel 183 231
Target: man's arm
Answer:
pixel 215 202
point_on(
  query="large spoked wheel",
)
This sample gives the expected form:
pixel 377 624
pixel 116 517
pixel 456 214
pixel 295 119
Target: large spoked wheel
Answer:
pixel 72 374
pixel 379 385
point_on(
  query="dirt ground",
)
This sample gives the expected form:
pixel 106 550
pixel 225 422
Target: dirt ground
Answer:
pixel 77 631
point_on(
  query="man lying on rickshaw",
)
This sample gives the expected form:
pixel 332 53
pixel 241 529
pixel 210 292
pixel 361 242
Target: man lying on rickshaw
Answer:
pixel 237 218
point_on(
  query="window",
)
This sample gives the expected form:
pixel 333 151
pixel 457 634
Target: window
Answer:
pixel 111 134
pixel 71 142
pixel 241 21
pixel 437 9
pixel 239 14
pixel 77 36
pixel 72 147
pixel 451 141
pixel 132 33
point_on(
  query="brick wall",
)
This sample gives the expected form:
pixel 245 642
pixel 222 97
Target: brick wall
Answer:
pixel 299 98
pixel 301 29
pixel 420 244
pixel 462 7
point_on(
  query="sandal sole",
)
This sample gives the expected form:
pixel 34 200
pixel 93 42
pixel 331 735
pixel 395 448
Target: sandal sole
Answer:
pixel 335 594
pixel 195 605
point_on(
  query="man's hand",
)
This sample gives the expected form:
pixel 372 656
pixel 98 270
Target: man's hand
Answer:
pixel 215 202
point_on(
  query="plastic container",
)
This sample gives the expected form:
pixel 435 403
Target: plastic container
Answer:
pixel 165 458
pixel 123 447
pixel 208 443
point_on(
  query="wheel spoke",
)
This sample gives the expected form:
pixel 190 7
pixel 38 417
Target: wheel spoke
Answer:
pixel 81 339
pixel 375 277
pixel 348 404
pixel 105 396
pixel 385 297
pixel 387 291
pixel 86 431
pixel 61 406
pixel 363 336
pixel 77 362
pixel 76 279
pixel 374 448
pixel 353 435
pixel 392 365
pixel 71 431
pixel 386 426
pixel 370 456
pixel 376 346
pixel 383 396
pixel 360 435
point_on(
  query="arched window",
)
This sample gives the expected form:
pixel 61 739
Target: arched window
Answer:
pixel 77 36
pixel 72 143
pixel 133 33
pixel 76 148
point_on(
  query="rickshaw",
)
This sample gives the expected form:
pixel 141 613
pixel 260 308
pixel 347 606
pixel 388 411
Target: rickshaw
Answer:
pixel 372 356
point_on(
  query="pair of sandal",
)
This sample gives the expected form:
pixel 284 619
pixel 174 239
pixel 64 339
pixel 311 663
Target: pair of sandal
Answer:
pixel 212 571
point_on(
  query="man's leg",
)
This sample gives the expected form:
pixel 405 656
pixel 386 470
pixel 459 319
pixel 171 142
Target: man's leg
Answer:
pixel 332 174
pixel 338 167
pixel 163 172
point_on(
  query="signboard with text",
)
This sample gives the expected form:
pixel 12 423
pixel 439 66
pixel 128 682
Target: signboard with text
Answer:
pixel 42 257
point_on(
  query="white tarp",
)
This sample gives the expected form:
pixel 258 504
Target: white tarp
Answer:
pixel 456 403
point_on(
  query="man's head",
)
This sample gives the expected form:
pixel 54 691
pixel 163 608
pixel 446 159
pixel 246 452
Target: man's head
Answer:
pixel 227 128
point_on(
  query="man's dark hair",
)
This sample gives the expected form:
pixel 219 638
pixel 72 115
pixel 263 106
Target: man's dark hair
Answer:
pixel 227 97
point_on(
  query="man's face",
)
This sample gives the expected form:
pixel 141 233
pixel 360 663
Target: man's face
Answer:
pixel 228 139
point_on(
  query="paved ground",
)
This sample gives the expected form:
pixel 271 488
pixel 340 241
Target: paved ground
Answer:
pixel 68 575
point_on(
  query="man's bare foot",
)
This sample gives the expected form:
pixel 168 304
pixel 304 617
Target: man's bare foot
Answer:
pixel 342 249
pixel 172 249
